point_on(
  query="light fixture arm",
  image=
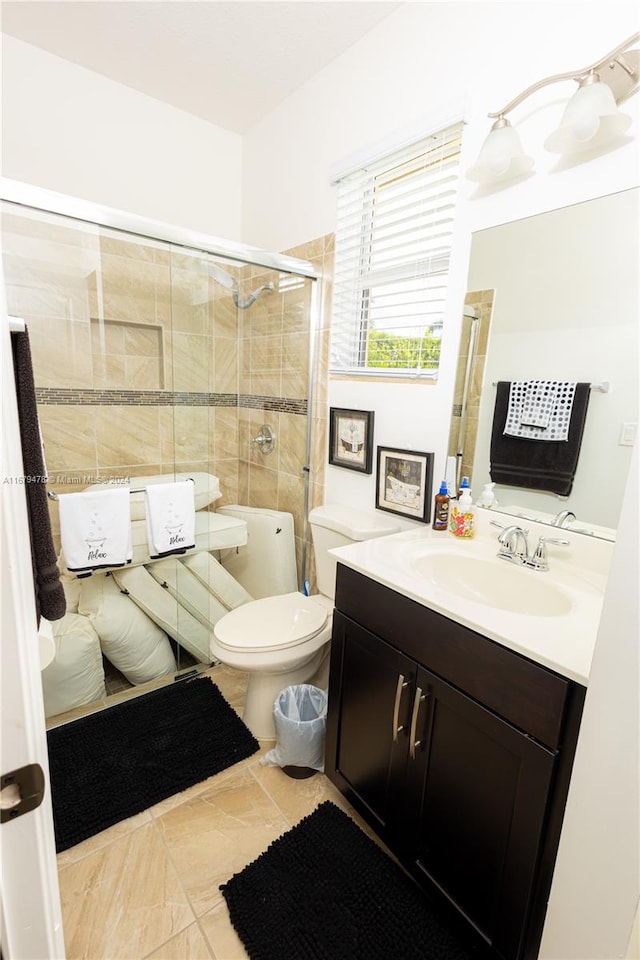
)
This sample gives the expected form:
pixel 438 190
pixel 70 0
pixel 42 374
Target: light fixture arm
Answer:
pixel 574 75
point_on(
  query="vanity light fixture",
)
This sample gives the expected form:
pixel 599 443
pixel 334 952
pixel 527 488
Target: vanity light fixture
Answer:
pixel 591 117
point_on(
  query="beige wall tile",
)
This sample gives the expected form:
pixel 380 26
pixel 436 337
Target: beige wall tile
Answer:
pixel 291 498
pixel 225 352
pixel 191 362
pixel 69 435
pixel 61 353
pixel 127 435
pixel 263 486
pixel 225 317
pixel 227 433
pixel 291 443
pixel 187 433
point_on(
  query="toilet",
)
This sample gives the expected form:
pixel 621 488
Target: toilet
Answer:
pixel 284 640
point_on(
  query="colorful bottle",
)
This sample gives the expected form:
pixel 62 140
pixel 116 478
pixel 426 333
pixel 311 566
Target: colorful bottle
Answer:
pixel 441 508
pixel 462 515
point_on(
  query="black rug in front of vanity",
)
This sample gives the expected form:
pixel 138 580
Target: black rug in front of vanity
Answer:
pixel 326 891
pixel 117 762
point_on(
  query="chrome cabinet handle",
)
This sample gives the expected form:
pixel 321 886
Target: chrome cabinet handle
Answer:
pixel 413 743
pixel 402 683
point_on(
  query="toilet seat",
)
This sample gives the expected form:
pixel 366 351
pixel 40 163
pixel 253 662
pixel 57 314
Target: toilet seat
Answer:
pixel 273 623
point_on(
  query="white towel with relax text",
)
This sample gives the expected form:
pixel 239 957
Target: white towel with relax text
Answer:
pixel 171 517
pixel 95 529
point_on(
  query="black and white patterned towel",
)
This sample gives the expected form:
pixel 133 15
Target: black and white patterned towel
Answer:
pixel 540 409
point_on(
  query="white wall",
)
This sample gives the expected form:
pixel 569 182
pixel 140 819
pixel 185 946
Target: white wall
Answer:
pixel 425 61
pixel 73 131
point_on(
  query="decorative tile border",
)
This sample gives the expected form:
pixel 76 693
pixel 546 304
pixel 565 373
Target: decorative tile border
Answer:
pixel 59 396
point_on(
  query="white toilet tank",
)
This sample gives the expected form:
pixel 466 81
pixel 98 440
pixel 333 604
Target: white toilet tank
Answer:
pixel 334 525
pixel 266 566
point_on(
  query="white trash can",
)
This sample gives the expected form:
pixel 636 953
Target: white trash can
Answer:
pixel 300 717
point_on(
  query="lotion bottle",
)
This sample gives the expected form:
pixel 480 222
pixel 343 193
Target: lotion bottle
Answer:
pixel 462 520
pixel 441 508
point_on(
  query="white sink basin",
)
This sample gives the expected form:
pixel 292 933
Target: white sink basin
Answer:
pixel 494 583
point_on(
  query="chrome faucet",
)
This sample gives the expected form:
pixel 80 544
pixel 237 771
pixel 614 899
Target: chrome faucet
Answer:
pixel 513 544
pixel 514 547
pixel 561 518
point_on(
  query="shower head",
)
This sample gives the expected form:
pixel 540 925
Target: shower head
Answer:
pixel 221 276
pixel 230 283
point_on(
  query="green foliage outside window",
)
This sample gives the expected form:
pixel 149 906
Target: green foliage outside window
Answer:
pixel 386 350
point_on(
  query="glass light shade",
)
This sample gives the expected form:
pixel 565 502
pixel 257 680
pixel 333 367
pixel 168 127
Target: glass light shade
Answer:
pixel 590 119
pixel 501 156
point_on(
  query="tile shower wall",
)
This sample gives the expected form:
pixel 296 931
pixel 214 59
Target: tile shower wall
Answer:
pixel 273 377
pixel 144 365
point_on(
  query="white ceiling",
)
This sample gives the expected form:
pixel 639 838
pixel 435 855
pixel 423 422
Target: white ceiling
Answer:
pixel 228 61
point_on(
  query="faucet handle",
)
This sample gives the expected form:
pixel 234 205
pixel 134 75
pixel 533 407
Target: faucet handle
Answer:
pixel 540 560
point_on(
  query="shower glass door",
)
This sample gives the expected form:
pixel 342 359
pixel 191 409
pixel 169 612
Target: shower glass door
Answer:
pixel 153 359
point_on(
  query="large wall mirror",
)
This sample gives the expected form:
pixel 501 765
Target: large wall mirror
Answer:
pixel 557 296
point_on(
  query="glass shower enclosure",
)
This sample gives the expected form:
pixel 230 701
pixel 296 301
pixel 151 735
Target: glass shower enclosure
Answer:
pixel 157 352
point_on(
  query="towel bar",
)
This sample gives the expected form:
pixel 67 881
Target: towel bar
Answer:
pixel 603 387
pixel 54 496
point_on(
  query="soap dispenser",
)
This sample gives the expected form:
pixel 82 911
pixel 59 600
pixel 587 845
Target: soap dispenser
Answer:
pixel 462 515
pixel 487 498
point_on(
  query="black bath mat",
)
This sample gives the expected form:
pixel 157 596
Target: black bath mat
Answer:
pixel 325 891
pixel 117 762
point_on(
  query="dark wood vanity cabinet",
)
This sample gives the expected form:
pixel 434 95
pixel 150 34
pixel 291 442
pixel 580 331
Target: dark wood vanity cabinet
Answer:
pixel 458 752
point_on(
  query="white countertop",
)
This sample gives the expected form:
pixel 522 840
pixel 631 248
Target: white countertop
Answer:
pixel 563 642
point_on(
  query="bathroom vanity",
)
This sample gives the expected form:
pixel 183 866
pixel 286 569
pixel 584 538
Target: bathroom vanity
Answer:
pixel 455 748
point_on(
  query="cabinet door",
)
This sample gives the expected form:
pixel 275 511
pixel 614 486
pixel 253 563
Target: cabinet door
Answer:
pixel 477 793
pixel 370 697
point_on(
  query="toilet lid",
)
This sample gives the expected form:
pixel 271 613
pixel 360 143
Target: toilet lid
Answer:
pixel 273 623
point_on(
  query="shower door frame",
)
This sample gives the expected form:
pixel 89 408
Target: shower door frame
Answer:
pixel 48 201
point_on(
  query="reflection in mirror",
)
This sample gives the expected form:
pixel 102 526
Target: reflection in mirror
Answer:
pixel 560 292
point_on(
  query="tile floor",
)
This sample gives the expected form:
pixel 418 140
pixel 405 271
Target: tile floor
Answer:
pixel 147 888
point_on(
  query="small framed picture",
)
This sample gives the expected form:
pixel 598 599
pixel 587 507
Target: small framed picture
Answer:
pixel 351 439
pixel 403 484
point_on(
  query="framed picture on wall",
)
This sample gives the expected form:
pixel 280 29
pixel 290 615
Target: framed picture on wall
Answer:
pixel 351 439
pixel 403 483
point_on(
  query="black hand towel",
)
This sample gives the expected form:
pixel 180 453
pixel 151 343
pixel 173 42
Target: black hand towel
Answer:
pixel 49 594
pixel 537 464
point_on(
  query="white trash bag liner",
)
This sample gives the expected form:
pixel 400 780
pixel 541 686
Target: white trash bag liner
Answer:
pixel 300 716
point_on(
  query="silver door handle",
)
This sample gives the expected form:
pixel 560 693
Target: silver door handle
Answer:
pixel 402 683
pixel 413 743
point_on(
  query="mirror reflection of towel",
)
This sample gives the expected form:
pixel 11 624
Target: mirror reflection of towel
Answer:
pixel 549 465
pixel 540 409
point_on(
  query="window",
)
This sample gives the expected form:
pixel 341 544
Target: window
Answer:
pixel 393 243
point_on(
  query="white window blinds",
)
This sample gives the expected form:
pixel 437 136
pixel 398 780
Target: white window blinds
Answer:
pixel 393 243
